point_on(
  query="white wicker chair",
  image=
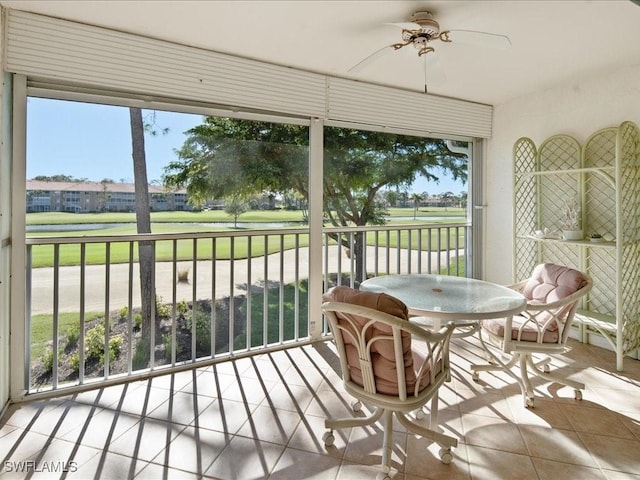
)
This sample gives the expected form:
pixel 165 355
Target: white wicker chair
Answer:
pixel 552 294
pixel 387 363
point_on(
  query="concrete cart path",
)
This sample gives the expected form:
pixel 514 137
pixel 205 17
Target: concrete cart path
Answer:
pixel 227 277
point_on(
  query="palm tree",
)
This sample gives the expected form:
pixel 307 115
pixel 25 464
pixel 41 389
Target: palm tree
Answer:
pixel 417 200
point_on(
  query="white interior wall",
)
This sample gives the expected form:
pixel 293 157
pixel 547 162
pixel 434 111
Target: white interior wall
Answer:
pixel 578 109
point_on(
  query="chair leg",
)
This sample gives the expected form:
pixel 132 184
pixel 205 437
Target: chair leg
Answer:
pixel 499 364
pixel 535 368
pixel 444 441
pixel 527 390
pixel 332 423
pixel 387 443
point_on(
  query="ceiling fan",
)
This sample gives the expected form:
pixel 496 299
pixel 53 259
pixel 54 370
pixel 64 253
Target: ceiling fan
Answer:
pixel 422 31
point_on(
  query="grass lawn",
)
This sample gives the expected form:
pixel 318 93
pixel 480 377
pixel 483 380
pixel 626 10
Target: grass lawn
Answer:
pixel 212 216
pixel 42 255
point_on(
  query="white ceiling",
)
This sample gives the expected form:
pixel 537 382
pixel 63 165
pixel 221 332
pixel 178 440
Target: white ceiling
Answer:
pixel 553 42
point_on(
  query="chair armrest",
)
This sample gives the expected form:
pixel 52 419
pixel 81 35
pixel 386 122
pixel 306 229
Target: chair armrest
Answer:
pixel 531 306
pixel 518 287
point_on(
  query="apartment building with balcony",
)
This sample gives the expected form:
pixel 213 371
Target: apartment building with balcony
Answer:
pixel 88 197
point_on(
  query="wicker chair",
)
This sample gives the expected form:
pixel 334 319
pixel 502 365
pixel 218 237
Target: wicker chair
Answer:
pixel 552 294
pixel 387 363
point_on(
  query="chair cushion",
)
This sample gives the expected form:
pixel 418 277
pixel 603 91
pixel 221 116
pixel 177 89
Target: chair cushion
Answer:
pixel 382 352
pixel 548 283
pixel 529 332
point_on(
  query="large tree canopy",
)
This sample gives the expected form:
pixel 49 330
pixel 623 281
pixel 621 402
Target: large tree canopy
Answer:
pixel 224 157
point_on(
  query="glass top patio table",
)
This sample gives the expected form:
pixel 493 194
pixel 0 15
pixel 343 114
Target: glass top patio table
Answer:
pixel 445 297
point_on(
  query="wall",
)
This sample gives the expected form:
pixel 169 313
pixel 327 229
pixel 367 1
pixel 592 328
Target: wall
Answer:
pixel 577 109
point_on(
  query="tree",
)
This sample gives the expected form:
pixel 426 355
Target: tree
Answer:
pixel 446 198
pixel 417 199
pixel 230 156
pixel 463 199
pixel 235 206
pixel 391 197
pixel 143 222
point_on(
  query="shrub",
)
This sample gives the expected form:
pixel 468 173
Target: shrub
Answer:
pixel 168 343
pixel 141 355
pixel 137 321
pixel 74 362
pixel 162 309
pixel 123 312
pixel 202 330
pixel 73 335
pixel 182 308
pixel 95 344
pixel 47 360
pixel 115 347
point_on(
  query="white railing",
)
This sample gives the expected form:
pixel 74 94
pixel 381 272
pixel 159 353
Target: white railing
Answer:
pixel 218 295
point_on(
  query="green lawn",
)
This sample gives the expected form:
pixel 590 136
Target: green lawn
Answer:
pixel 42 255
pixel 212 216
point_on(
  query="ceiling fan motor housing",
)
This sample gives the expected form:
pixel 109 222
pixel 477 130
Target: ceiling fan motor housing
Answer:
pixel 428 25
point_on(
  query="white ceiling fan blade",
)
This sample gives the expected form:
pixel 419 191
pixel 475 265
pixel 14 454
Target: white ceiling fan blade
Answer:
pixel 371 58
pixel 405 25
pixel 480 39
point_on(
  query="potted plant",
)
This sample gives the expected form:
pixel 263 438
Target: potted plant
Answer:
pixel 571 221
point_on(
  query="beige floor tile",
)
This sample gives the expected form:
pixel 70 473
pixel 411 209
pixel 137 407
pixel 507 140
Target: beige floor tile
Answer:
pixel 145 439
pixel 596 420
pixel 494 433
pixel 289 397
pixel 249 390
pixel 22 445
pixel 489 405
pixel 331 404
pixel 365 447
pixel 546 413
pixel 551 470
pixel 174 381
pixel 192 450
pixel 299 465
pixel 423 461
pixel 245 459
pixel 226 416
pixel 308 437
pixel 556 444
pixel 289 394
pixel 143 399
pixel 617 400
pixel 182 408
pixel 270 425
pixel 102 429
pixel 489 464
pixel 613 453
pixel 356 471
pixel 108 465
pixel 208 384
pixel 613 475
pixel 153 471
pixel 108 397
pixel 38 417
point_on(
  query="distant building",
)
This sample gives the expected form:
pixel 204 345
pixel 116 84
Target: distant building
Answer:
pixel 88 197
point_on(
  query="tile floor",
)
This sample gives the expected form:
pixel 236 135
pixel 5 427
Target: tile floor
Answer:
pixel 262 417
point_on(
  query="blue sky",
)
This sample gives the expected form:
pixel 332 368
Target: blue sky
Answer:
pixel 94 142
